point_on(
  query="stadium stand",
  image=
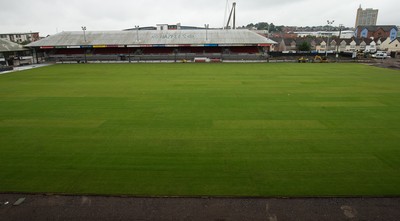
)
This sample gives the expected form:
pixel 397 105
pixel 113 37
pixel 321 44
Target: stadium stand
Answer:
pixel 13 54
pixel 153 45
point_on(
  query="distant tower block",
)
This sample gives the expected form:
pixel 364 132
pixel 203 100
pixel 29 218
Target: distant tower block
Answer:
pixel 366 17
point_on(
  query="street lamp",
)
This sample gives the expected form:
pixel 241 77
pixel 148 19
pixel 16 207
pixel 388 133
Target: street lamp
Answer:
pixel 84 37
pixel 206 26
pixel 84 32
pixel 137 32
pixel 327 43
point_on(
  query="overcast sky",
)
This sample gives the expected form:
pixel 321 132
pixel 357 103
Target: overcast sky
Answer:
pixel 51 16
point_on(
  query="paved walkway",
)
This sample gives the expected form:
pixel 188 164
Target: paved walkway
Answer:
pixel 56 207
pixel 25 67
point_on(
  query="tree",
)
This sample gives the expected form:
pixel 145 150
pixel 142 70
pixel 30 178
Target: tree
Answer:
pixel 279 28
pixel 304 46
pixel 249 26
pixel 258 26
pixel 262 26
pixel 272 27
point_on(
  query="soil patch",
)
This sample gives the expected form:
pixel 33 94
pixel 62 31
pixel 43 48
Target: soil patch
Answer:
pixel 390 63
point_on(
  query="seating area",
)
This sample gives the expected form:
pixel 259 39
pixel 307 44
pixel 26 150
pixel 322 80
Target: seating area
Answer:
pixel 158 50
pixel 200 50
pixel 244 50
pixel 112 51
pixel 69 51
pixel 153 53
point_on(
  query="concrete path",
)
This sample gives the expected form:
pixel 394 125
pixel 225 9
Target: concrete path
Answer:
pixel 55 207
pixel 25 67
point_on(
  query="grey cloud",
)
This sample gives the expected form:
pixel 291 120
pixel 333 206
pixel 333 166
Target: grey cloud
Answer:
pixel 46 16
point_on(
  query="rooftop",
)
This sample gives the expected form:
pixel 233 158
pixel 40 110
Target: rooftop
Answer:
pixel 19 33
pixel 376 27
pixel 154 37
pixel 8 46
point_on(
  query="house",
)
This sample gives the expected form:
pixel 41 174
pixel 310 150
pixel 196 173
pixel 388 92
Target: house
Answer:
pixel 280 46
pixel 292 44
pixel 394 46
pixel 283 35
pixel 323 46
pixel 391 46
pixel 333 45
pixel 385 31
pixel 347 45
pixel 379 43
pixel 371 46
pixel 336 44
pixel 367 45
pixel 342 45
pixel 21 37
pixel 285 44
pixel 316 44
pixel 385 44
pixel 311 41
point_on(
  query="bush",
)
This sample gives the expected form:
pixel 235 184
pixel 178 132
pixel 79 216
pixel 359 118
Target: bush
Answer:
pixel 305 46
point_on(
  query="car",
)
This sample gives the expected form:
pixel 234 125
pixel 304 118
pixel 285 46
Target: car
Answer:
pixel 380 55
pixel 5 68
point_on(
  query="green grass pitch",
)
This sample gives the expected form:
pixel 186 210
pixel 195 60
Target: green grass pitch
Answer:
pixel 201 129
